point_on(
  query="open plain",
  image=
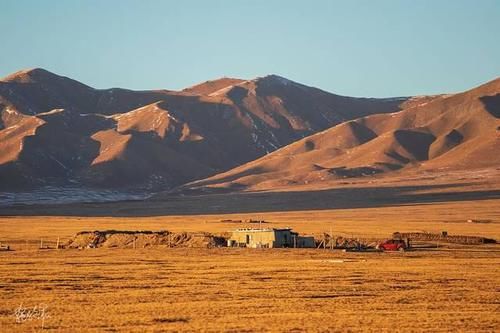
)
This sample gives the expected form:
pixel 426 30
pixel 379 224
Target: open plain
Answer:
pixel 157 289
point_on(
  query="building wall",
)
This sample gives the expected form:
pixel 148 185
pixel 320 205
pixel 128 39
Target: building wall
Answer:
pixel 256 238
pixel 283 238
pixel 306 241
pixel 270 238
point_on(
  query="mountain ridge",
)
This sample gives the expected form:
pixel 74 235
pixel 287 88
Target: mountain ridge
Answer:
pixel 55 130
pixel 455 131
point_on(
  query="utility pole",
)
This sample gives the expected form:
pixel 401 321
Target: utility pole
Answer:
pixel 331 238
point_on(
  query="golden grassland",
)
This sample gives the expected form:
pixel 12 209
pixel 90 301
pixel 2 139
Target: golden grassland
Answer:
pixel 454 288
pixel 376 222
pixel 252 290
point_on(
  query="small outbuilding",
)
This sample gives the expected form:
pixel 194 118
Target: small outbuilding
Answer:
pixel 269 237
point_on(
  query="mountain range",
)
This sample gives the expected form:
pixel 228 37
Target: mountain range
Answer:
pixel 458 132
pixel 258 134
pixel 57 131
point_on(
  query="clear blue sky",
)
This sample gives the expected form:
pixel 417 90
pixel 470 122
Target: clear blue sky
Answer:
pixel 358 48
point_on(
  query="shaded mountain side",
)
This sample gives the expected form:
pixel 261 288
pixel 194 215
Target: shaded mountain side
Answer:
pixel 460 131
pixel 36 91
pixel 134 157
pixel 55 130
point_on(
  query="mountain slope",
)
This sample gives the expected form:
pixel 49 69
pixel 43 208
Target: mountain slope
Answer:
pixel 57 131
pixel 455 132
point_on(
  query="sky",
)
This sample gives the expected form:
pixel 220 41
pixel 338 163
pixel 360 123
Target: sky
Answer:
pixel 358 48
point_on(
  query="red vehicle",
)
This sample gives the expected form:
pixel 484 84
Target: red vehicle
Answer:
pixel 393 245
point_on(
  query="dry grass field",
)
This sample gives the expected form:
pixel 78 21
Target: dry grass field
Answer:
pixel 238 290
pixel 454 288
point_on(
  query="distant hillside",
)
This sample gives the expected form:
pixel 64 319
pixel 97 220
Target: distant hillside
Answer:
pixel 452 132
pixel 57 131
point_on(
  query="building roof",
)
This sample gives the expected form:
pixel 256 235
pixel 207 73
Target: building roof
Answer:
pixel 261 230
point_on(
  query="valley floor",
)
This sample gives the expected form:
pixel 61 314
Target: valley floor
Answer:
pixel 453 288
pixel 238 290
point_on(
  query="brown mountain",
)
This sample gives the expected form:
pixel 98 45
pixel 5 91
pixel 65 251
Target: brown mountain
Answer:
pixel 446 132
pixel 57 131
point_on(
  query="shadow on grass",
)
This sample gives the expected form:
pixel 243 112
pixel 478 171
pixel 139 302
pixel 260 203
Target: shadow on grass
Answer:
pixel 253 202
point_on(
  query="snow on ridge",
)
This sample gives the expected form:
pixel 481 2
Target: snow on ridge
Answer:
pixel 172 117
pixel 54 111
pixel 274 79
pixel 280 79
pixel 396 99
pixel 58 162
pixel 69 194
pixel 149 107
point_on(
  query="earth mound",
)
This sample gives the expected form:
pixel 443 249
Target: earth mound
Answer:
pixel 143 239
